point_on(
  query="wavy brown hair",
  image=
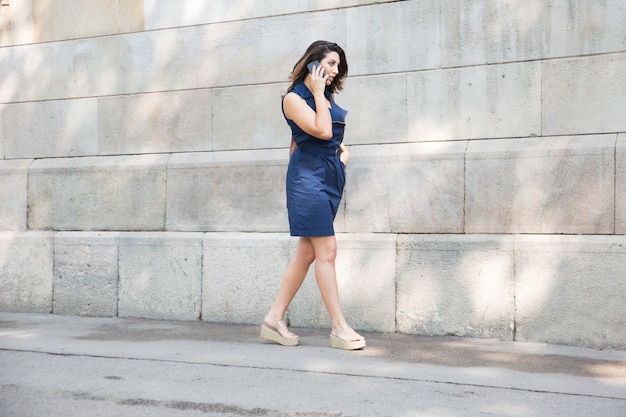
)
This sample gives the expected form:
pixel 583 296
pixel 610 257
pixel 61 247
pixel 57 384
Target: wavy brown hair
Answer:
pixel 316 52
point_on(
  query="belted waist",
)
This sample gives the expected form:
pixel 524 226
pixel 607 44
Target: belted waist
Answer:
pixel 320 150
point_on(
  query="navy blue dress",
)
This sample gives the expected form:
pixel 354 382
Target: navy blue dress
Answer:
pixel 315 176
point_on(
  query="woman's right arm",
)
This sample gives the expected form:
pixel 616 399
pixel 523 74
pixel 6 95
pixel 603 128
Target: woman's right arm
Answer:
pixel 316 123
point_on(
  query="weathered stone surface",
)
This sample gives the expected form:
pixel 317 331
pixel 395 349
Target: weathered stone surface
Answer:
pixel 620 185
pixel 174 59
pixel 570 290
pixel 85 273
pixel 51 128
pixel 16 23
pixel 227 191
pixel 71 19
pixel 249 118
pixel 2 106
pixel 459 285
pixel 37 72
pixel 541 185
pixel 242 273
pixel 160 14
pixel 13 193
pixel 165 14
pixel 365 269
pixel 410 188
pixel 401 36
pixel 179 121
pixel 26 271
pixel 106 193
pixel 327 4
pixel 189 57
pixel 134 63
pixel 475 103
pixel 160 275
pixel 480 32
pixel 584 95
pixel 379 120
pixel 247 58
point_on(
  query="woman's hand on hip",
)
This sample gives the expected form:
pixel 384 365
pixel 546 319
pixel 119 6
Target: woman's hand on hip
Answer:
pixel 344 156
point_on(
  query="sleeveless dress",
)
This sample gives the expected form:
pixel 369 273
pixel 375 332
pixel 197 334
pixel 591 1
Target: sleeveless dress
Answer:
pixel 315 176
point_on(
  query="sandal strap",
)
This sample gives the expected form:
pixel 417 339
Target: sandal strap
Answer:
pixel 281 328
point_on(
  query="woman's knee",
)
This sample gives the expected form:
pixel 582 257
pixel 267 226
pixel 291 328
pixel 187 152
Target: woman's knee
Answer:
pixel 325 249
pixel 305 251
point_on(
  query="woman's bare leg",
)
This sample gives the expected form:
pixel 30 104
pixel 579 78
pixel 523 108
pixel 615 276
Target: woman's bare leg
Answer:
pixel 325 253
pixel 292 281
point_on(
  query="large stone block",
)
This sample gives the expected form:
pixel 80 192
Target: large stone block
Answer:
pixel 13 193
pixel 16 23
pixel 579 27
pixel 105 193
pixel 328 4
pixel 382 120
pixel 570 290
pixel 247 58
pixel 475 103
pixel 366 271
pixel 85 273
pixel 36 72
pixel 584 95
pixel 458 285
pixel 264 126
pixel 105 66
pixel 242 274
pixel 178 121
pixel 71 19
pixel 51 128
pixel 26 261
pixel 481 32
pixel 160 275
pixel 394 37
pixel 541 185
pixel 135 63
pixel 620 185
pixel 227 191
pixel 409 188
pixel 166 14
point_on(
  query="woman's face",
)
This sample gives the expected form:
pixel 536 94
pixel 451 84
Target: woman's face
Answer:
pixel 330 63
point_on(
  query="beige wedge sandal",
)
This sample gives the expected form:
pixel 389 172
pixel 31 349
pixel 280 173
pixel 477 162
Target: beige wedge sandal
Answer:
pixel 276 333
pixel 338 343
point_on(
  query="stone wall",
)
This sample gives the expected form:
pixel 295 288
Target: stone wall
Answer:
pixel 143 157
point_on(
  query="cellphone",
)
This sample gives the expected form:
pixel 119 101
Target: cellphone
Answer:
pixel 317 65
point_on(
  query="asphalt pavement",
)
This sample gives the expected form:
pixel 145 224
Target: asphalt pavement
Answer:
pixel 52 365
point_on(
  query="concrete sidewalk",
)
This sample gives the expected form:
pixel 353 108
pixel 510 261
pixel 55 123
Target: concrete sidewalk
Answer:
pixel 55 365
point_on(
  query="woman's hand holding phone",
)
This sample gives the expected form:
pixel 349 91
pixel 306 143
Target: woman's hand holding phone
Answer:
pixel 318 77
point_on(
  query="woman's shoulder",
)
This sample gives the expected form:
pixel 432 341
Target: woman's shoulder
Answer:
pixel 298 93
pixel 291 101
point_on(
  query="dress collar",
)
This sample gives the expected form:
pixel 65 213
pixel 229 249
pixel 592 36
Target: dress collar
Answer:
pixel 303 91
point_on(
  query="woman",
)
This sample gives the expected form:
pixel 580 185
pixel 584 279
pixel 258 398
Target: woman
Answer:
pixel 315 180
